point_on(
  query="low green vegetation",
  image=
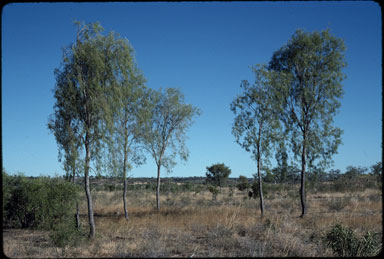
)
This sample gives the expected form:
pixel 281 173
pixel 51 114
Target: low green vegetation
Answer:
pixel 344 242
pixel 41 203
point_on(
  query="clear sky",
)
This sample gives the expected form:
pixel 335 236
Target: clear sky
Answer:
pixel 203 48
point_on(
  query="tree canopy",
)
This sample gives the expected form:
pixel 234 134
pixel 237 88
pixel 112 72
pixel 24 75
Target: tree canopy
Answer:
pixel 165 124
pixel 217 174
pixel 256 124
pixel 86 81
pixel 308 89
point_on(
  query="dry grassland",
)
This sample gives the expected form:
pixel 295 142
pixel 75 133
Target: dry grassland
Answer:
pixel 192 225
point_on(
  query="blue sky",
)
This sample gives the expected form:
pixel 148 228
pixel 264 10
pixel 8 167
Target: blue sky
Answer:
pixel 203 48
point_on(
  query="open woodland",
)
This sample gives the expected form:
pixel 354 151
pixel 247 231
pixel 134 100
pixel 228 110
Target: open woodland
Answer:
pixel 106 120
pixel 191 224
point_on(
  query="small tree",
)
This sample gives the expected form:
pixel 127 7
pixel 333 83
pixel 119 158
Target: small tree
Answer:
pixel 256 121
pixel 83 84
pixel 165 123
pixel 217 174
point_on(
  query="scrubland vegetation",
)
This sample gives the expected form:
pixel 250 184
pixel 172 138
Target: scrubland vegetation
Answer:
pixel 106 120
pixel 344 218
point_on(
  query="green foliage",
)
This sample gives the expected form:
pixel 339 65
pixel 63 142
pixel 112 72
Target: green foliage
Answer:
pixel 255 190
pixel 377 169
pixel 309 71
pixel 306 85
pixel 281 171
pixel 81 83
pixel 65 233
pixel 150 186
pixel 344 242
pixel 269 176
pixel 217 174
pixel 170 187
pixel 127 101
pixel 165 123
pixel 256 125
pixel 353 171
pixel 38 203
pixel 6 187
pixel 164 126
pixel 243 183
pixel 42 203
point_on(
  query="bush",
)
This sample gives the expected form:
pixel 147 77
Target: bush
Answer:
pixel 40 203
pixel 65 233
pixel 243 183
pixel 344 242
pixel 26 202
pixel 268 189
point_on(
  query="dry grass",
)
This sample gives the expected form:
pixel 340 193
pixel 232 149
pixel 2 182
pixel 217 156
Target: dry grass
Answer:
pixel 192 225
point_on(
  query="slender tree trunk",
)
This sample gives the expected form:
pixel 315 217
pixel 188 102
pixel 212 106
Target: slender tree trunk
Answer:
pixel 258 172
pixel 125 186
pixel 302 187
pixel 260 187
pixel 77 216
pixel 88 192
pixel 158 187
pixel 125 199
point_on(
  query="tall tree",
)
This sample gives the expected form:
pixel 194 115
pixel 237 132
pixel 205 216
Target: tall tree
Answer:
pixel 127 100
pixel 166 123
pixel 309 88
pixel 82 87
pixel 256 122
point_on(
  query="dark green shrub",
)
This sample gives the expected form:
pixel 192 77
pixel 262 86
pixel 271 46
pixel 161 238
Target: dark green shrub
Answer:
pixel 25 199
pixel 110 187
pixel 268 189
pixel 340 185
pixel 150 186
pixel 187 187
pixel 344 242
pixel 255 190
pixel 41 203
pixel 217 174
pixel 243 184
pixel 38 203
pixel 65 233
